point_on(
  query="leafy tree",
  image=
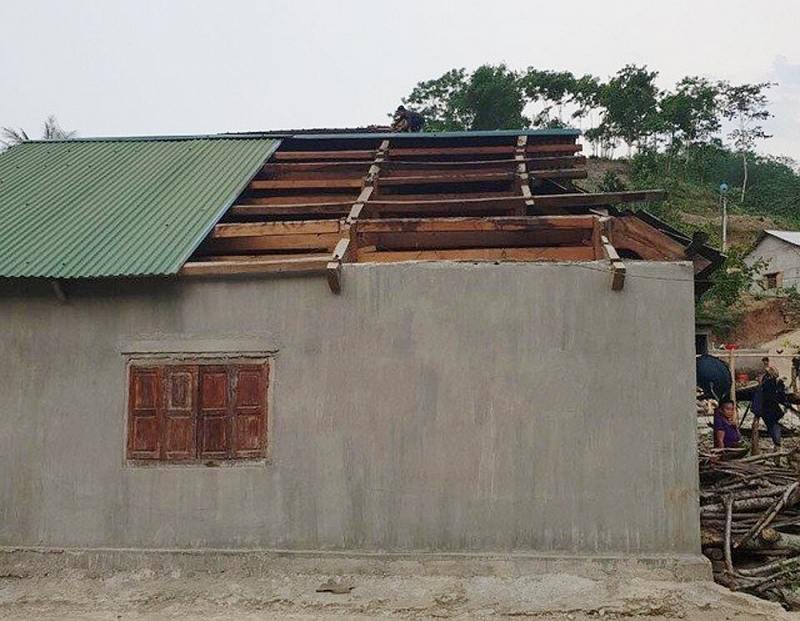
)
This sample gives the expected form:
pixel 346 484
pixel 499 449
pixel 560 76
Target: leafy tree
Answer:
pixel 553 89
pixel 719 305
pixel 493 99
pixel 746 105
pixel 631 105
pixel 690 115
pixel 489 98
pixel 50 131
pixel 439 101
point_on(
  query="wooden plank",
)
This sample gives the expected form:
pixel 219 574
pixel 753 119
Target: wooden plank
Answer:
pixel 295 264
pixel 288 156
pixel 322 198
pixel 333 269
pixel 400 152
pixel 545 237
pixel 369 154
pixel 264 256
pixel 618 269
pixel 258 229
pixel 355 211
pixel 406 209
pixel 233 245
pixel 332 210
pixel 524 223
pixel 632 234
pixel 564 253
pixel 449 177
pixel 303 184
pixel 599 198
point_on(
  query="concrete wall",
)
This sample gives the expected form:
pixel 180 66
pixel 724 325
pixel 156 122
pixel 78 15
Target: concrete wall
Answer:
pixel 781 257
pixel 438 406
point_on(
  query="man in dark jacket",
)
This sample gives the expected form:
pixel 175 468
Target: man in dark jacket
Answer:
pixel 771 410
pixel 407 120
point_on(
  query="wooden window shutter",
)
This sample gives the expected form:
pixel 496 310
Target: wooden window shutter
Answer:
pixel 179 432
pixel 249 389
pixel 213 435
pixel 144 396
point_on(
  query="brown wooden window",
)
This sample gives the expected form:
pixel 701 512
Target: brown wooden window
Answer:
pixel 197 412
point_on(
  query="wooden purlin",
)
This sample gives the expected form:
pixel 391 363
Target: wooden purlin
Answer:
pixel 346 246
pixel 616 266
pixel 524 180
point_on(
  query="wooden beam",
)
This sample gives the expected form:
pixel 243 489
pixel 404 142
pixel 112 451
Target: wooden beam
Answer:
pixel 303 184
pixel 298 210
pixel 333 268
pixel 631 233
pixel 258 229
pixel 616 265
pixel 250 266
pixel 432 240
pixel 564 253
pixel 355 210
pixel 290 156
pixel 512 223
pixel 369 154
pixel 234 245
pixel 598 198
pixel 322 198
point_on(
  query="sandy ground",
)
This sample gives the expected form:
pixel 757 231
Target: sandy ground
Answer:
pixel 145 596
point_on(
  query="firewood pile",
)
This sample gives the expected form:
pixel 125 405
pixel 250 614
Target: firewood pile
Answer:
pixel 750 522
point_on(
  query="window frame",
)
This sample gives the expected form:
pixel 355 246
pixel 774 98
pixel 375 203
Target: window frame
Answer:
pixel 196 364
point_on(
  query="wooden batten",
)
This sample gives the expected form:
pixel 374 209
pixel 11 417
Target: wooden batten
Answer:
pixel 249 265
pixel 565 253
pixel 616 266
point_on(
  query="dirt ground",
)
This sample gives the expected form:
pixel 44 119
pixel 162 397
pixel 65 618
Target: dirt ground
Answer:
pixel 146 596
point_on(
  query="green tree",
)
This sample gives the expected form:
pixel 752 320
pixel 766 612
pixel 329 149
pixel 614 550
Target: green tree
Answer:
pixel 746 106
pixel 689 115
pixel 491 97
pixel 50 131
pixel 552 89
pixel 630 102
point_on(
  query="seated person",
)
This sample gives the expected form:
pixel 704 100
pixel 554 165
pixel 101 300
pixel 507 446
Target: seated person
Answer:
pixel 726 432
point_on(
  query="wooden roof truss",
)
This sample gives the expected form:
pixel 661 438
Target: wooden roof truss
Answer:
pixel 315 205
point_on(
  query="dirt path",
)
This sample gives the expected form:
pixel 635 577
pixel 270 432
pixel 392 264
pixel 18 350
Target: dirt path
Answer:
pixel 145 596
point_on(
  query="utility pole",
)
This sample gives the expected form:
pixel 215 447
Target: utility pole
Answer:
pixel 723 201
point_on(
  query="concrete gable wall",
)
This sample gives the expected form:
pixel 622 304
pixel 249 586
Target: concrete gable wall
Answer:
pixel 431 406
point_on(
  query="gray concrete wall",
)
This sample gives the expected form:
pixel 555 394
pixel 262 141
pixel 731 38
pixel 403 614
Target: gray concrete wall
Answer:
pixel 438 406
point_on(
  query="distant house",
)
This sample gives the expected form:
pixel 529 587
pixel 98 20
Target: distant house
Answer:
pixel 780 253
pixel 428 342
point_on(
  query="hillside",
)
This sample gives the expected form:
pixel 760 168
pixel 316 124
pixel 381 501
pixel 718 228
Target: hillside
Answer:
pixel 690 205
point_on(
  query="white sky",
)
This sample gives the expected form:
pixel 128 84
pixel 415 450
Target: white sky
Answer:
pixel 147 67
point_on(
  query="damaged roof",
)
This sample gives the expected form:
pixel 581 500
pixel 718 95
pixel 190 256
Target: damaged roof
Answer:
pixel 117 207
pixel 309 202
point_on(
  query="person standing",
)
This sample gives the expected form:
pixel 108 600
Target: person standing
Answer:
pixel 770 408
pixel 726 432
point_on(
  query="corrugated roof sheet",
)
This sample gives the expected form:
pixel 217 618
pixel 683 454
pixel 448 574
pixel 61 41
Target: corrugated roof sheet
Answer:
pixel 110 207
pixel 793 237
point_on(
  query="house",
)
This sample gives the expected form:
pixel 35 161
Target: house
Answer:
pixel 778 254
pixel 343 341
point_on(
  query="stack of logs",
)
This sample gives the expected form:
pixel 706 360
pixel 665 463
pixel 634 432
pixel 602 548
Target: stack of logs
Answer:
pixel 750 520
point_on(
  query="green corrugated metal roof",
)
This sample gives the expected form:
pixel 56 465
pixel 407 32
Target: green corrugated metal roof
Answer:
pixel 109 207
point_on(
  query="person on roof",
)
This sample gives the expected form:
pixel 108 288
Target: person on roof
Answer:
pixel 407 120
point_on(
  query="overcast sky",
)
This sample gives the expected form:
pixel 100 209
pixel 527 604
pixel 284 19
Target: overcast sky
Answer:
pixel 154 67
